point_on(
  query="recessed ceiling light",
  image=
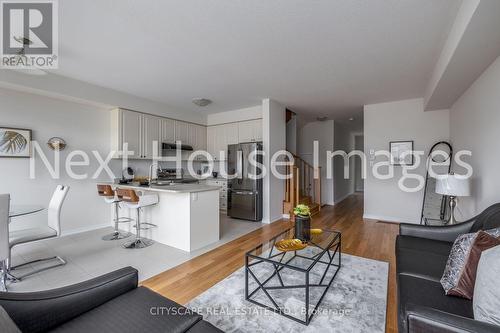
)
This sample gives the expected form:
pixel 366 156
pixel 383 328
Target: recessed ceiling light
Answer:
pixel 351 119
pixel 201 101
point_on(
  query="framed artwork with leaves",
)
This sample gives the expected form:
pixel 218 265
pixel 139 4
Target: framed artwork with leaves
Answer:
pixel 15 142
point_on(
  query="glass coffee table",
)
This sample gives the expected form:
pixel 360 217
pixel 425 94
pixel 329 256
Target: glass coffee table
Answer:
pixel 293 283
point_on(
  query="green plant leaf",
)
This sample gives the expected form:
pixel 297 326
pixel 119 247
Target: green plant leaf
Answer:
pixel 302 210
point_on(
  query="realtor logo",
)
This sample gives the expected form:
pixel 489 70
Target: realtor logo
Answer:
pixel 29 34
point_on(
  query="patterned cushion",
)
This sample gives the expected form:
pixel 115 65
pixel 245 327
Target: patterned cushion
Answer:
pixel 456 265
pixel 486 303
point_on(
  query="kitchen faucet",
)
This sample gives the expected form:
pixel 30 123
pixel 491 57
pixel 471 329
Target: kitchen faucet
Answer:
pixel 150 178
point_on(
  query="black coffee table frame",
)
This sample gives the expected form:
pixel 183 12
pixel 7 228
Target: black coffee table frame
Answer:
pixel 333 248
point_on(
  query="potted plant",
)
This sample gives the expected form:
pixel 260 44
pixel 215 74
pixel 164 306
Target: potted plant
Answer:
pixel 302 222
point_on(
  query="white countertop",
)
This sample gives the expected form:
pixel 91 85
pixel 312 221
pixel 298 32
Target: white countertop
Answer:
pixel 176 188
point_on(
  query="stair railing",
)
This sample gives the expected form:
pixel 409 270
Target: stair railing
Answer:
pixel 302 183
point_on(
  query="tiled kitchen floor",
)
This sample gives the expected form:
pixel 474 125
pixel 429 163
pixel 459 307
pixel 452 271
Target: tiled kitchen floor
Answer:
pixel 88 256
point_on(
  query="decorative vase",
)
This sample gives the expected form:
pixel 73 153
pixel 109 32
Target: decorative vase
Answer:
pixel 302 227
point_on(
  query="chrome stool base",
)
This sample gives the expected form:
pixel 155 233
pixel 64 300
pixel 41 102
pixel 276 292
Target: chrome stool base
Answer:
pixel 139 243
pixel 116 235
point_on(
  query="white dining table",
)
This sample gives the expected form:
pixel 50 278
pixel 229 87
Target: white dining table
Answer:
pixel 21 210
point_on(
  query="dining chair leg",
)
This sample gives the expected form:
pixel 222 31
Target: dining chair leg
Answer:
pixel 17 278
pixel 3 275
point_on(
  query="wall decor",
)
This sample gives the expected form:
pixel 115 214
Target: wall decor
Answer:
pixel 15 142
pixel 56 143
pixel 401 152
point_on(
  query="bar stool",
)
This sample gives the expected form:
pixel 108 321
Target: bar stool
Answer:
pixel 132 200
pixel 110 197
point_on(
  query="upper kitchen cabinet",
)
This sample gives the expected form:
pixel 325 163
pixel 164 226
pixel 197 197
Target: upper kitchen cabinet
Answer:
pixel 151 136
pixel 140 131
pixel 231 134
pixel 199 135
pixel 182 132
pixel 219 137
pixel 129 131
pixel 211 140
pixel 250 131
pixel 167 130
pixel 144 132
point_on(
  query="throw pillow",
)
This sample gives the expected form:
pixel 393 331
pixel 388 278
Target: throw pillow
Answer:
pixel 459 274
pixel 486 302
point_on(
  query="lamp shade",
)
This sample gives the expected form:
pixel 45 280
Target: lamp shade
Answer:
pixel 453 186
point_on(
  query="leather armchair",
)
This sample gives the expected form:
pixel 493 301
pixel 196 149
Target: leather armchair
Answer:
pixel 429 320
pixel 109 303
pixel 488 219
pixel 42 311
pixel 447 233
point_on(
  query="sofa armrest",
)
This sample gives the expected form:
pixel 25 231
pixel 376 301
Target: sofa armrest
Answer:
pixel 427 320
pixel 447 233
pixel 44 310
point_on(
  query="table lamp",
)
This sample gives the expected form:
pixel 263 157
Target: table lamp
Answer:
pixel 453 186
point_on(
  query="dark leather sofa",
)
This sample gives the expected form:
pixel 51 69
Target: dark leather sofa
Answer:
pixel 109 303
pixel 421 256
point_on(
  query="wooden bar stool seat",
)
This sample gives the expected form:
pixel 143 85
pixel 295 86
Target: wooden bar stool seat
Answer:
pixel 110 197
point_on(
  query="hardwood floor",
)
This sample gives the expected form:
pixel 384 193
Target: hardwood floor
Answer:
pixel 368 238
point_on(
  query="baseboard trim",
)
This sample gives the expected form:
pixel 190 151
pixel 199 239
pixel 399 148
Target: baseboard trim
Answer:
pixel 390 219
pixel 85 229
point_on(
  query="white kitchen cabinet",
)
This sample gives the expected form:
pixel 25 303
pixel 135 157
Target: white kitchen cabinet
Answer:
pixel 219 137
pixel 258 129
pixel 250 131
pixel 200 142
pixel 167 130
pixel 222 183
pixel 130 132
pixel 231 134
pixel 211 141
pixel 220 142
pixel 138 130
pixel 151 136
pixel 182 132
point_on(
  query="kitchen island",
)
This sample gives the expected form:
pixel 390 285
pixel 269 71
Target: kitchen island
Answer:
pixel 187 215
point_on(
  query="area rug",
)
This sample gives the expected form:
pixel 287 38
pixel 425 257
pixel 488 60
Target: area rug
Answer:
pixel 355 302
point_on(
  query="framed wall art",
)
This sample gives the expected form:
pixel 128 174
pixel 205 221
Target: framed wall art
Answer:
pixel 15 142
pixel 401 153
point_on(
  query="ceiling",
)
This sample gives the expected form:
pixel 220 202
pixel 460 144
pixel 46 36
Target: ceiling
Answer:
pixel 322 57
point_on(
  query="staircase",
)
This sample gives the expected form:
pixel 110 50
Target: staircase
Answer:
pixel 303 187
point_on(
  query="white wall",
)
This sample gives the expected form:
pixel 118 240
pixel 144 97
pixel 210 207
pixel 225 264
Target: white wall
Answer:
pixel 83 127
pixel 343 141
pixel 254 112
pixel 323 132
pixel 401 120
pixel 474 126
pixel 274 139
pixel 53 85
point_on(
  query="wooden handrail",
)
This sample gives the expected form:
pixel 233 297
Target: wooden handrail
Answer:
pixel 302 184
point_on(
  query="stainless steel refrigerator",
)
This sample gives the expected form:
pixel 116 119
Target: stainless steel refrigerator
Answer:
pixel 244 192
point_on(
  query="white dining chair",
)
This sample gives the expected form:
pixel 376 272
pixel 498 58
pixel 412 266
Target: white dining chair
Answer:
pixel 51 230
pixel 4 239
